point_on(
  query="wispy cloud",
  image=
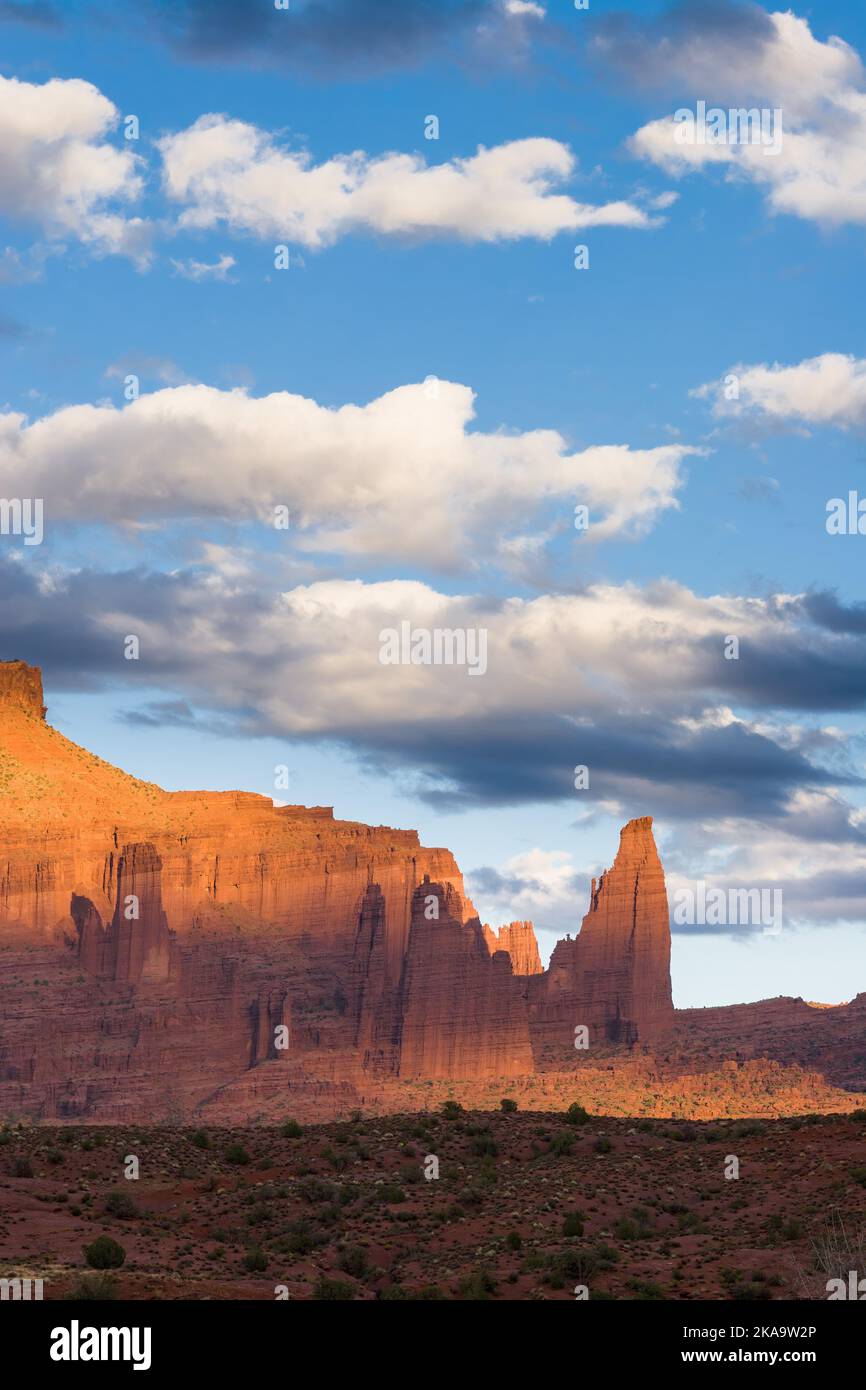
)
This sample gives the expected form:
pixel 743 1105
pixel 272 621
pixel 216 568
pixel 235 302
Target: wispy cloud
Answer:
pixel 204 270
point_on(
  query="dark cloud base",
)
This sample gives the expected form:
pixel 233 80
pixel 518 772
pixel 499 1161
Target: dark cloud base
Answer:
pixel 32 13
pixel 654 50
pixel 348 38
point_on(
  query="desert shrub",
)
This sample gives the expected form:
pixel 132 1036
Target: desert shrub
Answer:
pixel 514 1240
pixel 750 1291
pixel 104 1253
pixel 508 1106
pixel 744 1128
pixel 333 1291
pixel 484 1146
pixel 602 1145
pixel 451 1109
pixel 262 1192
pixel 582 1262
pixel 576 1115
pixel 299 1239
pixel 606 1255
pixel 94 1287
pixel 329 1214
pixel 646 1289
pixel 338 1161
pixel 256 1261
pixel 293 1244
pixel 396 1293
pixel 21 1168
pixel 681 1136
pixel 477 1286
pixel 634 1227
pixel 236 1153
pixel 573 1224
pixel 744 1288
pixel 691 1222
pixel 626 1229
pixel 121 1205
pixel 354 1261
pixel 487 1176
pixel 792 1229
pixel 562 1144
pixel 317 1190
pixel 291 1130
pixel 200 1138
pixel 390 1193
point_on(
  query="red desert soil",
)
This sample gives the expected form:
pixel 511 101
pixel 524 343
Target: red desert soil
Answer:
pixel 526 1206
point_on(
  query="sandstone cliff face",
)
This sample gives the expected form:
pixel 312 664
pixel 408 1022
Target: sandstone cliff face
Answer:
pixel 463 1011
pixel 614 978
pixel 21 688
pixel 189 946
pixel 518 939
pixel 136 946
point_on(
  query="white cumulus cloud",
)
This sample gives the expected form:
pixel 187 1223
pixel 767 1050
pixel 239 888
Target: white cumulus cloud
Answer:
pixel 227 172
pixel 825 390
pixel 403 476
pixel 819 89
pixel 58 170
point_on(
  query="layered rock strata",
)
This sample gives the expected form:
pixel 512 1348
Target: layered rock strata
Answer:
pixel 159 950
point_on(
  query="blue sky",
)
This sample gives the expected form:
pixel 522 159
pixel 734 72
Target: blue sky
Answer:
pixel 605 648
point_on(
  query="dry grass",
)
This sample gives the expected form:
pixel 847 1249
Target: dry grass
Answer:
pixel 837 1248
